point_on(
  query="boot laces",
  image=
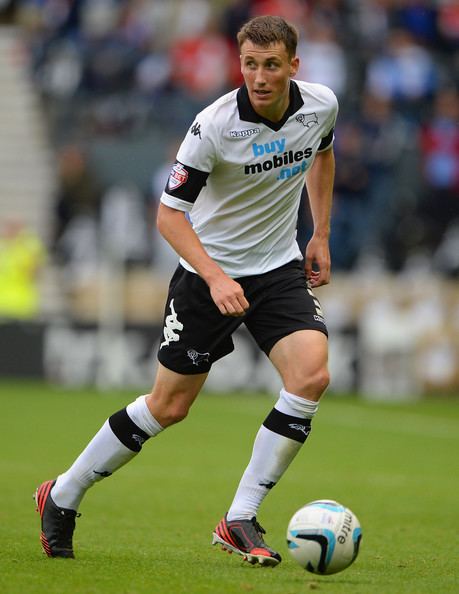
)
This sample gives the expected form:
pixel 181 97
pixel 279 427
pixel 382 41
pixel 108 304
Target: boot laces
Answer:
pixel 258 527
pixel 66 526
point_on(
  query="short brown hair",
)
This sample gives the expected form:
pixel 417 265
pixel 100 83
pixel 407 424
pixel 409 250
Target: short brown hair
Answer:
pixel 266 30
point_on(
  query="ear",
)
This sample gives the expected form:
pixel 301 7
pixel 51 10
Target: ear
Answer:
pixel 294 65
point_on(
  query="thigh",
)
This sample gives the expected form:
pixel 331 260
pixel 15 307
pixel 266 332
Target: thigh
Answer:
pixel 287 305
pixel 301 358
pixel 195 333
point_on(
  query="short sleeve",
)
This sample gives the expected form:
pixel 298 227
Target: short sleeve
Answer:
pixel 328 138
pixel 199 147
pixel 196 158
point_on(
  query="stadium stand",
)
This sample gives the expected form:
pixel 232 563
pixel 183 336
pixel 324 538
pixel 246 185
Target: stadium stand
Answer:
pixel 27 179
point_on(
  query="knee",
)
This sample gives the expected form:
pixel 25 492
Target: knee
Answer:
pixel 321 381
pixel 309 385
pixel 173 414
pixel 169 411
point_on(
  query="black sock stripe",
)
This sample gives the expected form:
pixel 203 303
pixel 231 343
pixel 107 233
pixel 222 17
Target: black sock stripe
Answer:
pixel 292 427
pixel 127 431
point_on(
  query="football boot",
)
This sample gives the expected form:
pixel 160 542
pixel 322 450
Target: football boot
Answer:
pixel 57 523
pixel 245 537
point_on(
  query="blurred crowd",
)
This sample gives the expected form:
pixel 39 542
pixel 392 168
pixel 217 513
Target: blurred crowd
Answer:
pixel 121 81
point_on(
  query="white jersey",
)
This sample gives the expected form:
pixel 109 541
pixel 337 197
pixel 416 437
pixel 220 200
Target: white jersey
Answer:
pixel 240 176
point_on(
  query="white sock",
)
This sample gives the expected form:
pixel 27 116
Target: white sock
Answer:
pixel 278 441
pixel 142 417
pixel 120 439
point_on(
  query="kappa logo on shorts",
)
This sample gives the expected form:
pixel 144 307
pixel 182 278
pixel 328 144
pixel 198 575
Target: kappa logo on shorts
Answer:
pixel 172 324
pixel 177 177
pixel 196 357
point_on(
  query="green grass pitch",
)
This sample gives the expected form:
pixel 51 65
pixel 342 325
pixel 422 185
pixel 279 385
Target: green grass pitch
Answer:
pixel 148 528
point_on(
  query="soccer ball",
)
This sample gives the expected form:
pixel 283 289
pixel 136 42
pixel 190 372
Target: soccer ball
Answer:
pixel 324 537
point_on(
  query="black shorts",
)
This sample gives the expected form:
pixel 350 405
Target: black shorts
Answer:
pixel 196 334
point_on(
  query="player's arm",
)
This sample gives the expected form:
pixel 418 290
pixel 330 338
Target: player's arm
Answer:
pixel 319 183
pixel 176 229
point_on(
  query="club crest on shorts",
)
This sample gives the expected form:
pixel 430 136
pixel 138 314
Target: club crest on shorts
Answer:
pixel 177 177
pixel 196 357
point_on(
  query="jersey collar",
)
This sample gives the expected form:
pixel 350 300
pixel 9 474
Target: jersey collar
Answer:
pixel 248 114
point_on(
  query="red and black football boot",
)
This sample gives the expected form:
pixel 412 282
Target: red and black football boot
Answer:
pixel 245 537
pixel 57 523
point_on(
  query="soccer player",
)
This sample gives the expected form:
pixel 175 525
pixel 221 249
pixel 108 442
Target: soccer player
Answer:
pixel 239 174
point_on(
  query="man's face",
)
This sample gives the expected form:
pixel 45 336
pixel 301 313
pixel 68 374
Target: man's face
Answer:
pixel 267 72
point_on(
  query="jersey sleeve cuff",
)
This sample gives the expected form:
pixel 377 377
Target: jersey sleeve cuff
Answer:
pixel 327 141
pixel 176 203
pixel 329 145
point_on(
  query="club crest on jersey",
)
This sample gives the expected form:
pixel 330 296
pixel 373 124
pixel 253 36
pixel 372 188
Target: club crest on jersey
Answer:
pixel 307 119
pixel 177 177
pixel 244 133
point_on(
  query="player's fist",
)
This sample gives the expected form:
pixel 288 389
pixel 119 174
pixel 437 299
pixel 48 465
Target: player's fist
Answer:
pixel 228 296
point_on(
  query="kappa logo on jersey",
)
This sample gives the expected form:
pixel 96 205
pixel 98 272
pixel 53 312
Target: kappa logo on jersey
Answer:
pixel 196 357
pixel 281 158
pixel 177 177
pixel 196 130
pixel 307 119
pixel 244 133
pixel 172 324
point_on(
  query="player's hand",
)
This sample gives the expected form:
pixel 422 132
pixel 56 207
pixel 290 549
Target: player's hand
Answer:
pixel 228 296
pixel 317 262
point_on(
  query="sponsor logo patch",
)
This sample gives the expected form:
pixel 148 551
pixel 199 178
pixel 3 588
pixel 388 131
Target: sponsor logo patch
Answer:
pixel 177 177
pixel 290 163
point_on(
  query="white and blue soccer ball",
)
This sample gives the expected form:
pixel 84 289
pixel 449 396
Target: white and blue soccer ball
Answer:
pixel 324 537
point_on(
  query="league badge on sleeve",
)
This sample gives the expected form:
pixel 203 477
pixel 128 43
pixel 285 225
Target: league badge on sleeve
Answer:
pixel 177 177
